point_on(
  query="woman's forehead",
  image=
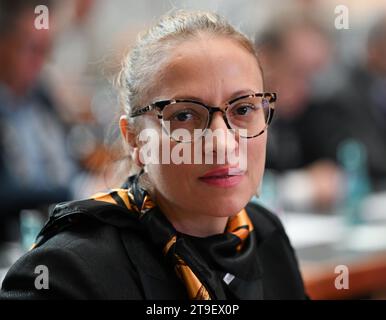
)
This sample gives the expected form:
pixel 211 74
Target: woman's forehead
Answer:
pixel 206 68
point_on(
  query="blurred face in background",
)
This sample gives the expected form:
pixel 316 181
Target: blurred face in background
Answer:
pixel 23 53
pixel 303 52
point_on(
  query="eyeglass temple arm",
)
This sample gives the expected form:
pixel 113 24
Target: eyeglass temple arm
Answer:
pixel 273 98
pixel 270 116
pixel 141 111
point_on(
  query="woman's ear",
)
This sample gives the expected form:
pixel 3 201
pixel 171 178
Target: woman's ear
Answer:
pixel 127 134
pixel 130 137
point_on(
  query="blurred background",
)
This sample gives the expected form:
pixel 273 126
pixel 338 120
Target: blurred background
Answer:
pixel 326 161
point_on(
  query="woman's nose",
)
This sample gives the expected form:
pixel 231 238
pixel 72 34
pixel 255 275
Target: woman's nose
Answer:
pixel 218 122
pixel 219 139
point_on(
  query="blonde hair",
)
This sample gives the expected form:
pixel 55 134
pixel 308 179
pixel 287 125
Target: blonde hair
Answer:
pixel 138 74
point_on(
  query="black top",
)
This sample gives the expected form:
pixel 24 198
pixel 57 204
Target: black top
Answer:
pixel 97 251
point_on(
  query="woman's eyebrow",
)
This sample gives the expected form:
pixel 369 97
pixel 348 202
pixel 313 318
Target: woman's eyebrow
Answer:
pixel 241 93
pixel 188 97
pixel 234 95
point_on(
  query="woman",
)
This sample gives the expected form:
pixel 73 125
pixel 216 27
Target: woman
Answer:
pixel 176 230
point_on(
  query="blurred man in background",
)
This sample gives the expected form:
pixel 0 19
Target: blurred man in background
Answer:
pixel 35 167
pixel 295 49
pixel 357 112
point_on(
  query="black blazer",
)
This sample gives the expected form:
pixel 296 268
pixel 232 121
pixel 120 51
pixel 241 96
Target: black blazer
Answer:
pixel 95 251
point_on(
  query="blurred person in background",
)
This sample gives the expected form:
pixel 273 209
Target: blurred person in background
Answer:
pixel 35 167
pixel 72 64
pixel 357 111
pixel 294 50
pixel 82 75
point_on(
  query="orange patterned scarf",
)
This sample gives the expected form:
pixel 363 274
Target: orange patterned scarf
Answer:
pixel 173 244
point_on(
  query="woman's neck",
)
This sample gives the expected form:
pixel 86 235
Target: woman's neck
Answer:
pixel 192 223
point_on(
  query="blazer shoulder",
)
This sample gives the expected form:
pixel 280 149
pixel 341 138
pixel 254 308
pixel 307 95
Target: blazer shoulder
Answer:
pixel 81 247
pixel 111 208
pixel 85 260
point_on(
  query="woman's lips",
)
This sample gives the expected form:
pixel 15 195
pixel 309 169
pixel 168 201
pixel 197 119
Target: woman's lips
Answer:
pixel 223 177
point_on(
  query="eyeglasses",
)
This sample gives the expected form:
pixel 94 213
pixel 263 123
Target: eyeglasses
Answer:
pixel 251 112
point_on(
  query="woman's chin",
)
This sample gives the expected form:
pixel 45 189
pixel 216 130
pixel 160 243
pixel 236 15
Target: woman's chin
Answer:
pixel 225 208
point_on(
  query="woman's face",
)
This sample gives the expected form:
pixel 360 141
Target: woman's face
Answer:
pixel 213 71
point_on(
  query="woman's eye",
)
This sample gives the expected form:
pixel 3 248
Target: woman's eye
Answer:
pixel 244 109
pixel 183 116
